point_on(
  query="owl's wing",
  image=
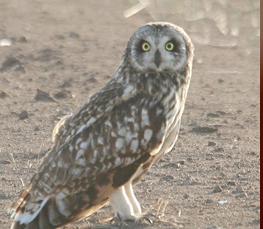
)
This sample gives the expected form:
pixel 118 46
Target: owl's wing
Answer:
pixel 58 127
pixel 78 178
pixel 95 107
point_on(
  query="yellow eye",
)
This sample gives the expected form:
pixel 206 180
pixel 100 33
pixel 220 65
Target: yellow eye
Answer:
pixel 146 46
pixel 169 46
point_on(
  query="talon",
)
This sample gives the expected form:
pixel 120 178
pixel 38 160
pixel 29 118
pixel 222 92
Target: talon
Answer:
pixel 117 219
pixel 119 216
pixel 112 221
pixel 147 219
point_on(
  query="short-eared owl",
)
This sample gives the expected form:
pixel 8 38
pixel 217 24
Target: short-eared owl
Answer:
pixel 109 144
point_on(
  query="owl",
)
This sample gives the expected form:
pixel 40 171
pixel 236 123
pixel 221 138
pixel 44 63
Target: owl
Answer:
pixel 114 138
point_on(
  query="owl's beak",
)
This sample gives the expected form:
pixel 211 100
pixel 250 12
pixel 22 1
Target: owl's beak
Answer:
pixel 157 58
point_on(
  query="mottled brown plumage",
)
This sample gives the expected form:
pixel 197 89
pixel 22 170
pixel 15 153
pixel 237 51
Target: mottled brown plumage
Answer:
pixel 107 146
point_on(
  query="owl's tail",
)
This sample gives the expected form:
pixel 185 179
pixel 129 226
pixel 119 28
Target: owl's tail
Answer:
pixel 30 212
pixel 36 214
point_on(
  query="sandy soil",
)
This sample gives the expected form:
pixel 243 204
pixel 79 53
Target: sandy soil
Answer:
pixel 69 49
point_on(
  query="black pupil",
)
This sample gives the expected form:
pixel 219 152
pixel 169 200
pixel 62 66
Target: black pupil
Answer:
pixel 169 46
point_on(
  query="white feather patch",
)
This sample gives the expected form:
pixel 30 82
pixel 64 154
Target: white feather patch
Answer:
pixel 81 129
pixel 27 216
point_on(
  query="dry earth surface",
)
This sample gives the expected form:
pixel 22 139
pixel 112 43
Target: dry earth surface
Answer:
pixel 69 49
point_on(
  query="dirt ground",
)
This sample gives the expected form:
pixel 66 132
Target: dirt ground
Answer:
pixel 69 49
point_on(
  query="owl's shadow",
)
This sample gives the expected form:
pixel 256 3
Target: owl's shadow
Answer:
pixel 156 220
pixel 132 225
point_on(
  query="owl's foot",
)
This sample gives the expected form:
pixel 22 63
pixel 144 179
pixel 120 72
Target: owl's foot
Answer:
pixel 118 219
pixel 146 217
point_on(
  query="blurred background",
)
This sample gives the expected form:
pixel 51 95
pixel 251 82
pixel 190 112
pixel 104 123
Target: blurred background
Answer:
pixel 216 23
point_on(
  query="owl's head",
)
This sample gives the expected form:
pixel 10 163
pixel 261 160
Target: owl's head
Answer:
pixel 158 47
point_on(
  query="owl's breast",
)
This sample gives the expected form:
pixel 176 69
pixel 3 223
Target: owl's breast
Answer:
pixel 174 105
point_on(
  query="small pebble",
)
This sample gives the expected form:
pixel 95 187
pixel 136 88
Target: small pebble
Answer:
pixel 9 63
pixel 221 202
pixel 217 189
pixel 186 196
pixel 211 143
pixel 3 95
pixel 44 96
pixel 23 115
pixel 242 195
pixel 64 94
pixel 37 128
pixel 209 201
pixel 239 189
pixel 231 183
pixel 219 149
pixel 214 227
